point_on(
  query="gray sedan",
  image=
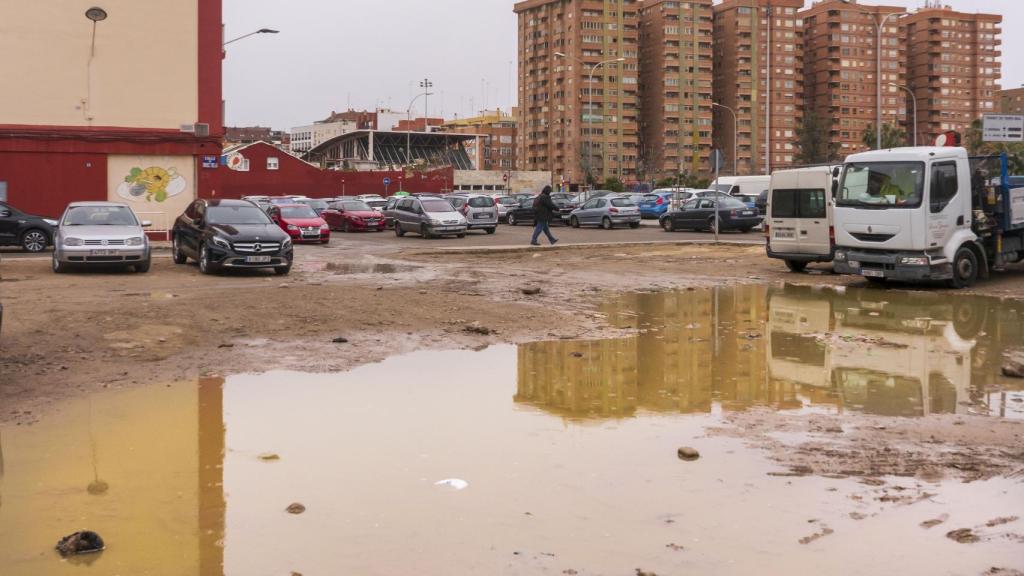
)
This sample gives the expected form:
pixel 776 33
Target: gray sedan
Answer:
pixel 100 233
pixel 606 212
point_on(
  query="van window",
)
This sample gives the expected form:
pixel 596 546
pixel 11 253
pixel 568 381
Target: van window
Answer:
pixel 811 203
pixel 784 203
pixel 944 185
pixel 481 202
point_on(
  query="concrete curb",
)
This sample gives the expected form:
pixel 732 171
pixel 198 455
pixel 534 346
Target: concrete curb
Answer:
pixel 578 246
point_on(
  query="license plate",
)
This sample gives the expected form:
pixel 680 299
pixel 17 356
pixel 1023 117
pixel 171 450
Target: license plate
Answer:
pixel 779 234
pixel 873 273
pixel 748 212
pixel 485 215
pixel 371 221
pixel 101 252
pixel 257 259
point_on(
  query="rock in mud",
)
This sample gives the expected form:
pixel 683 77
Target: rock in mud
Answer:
pixel 530 290
pixel 1013 364
pixel 84 542
pixel 340 340
pixel 477 328
pixel 576 354
pixel 963 536
pixel 688 454
pixel 642 572
pixel 934 521
pixel 269 457
pixel 295 508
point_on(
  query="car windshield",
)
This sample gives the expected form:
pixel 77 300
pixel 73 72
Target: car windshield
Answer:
pixel 882 185
pixel 376 203
pixel 650 198
pixel 436 205
pixel 457 202
pixel 730 203
pixel 622 202
pixel 236 215
pixel 100 216
pixel 481 202
pixel 508 201
pixel 317 205
pixel 355 206
pixel 297 212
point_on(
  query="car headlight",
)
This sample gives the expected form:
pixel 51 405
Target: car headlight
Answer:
pixel 293 227
pixel 325 227
pixel 137 241
pixel 73 242
pixel 222 242
pixel 435 222
pixel 914 260
pixel 287 243
pixel 51 222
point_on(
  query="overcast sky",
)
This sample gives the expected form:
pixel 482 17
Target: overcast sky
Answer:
pixel 333 54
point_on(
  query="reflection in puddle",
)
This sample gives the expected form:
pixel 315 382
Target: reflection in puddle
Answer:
pixel 188 488
pixel 345 268
pixel 888 353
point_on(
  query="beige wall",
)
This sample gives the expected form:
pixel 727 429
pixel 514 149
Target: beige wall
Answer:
pixel 158 188
pixel 144 73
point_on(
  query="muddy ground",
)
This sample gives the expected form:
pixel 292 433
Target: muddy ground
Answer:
pixel 358 302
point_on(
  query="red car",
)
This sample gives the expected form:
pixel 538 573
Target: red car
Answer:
pixel 301 223
pixel 353 216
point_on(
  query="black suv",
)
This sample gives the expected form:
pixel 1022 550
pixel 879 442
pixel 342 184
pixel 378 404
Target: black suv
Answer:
pixel 32 233
pixel 230 234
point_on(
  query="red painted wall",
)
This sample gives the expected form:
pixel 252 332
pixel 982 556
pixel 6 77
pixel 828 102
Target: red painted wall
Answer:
pixel 297 177
pixel 44 184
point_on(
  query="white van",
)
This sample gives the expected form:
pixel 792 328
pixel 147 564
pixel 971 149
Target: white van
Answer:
pixel 798 222
pixel 742 185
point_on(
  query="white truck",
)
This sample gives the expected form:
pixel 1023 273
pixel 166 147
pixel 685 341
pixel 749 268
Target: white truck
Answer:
pixel 926 213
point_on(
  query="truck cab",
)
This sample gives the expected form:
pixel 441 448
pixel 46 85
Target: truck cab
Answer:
pixel 924 213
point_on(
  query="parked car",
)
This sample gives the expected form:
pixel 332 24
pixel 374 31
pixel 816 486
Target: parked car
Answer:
pixel 230 234
pixel 318 205
pixel 100 233
pixel 377 204
pixel 504 204
pixel 389 211
pixel 301 223
pixel 480 211
pixel 353 216
pixel 32 233
pixel 699 214
pixel 606 212
pixel 762 203
pixel 368 197
pixel 656 203
pixel 429 217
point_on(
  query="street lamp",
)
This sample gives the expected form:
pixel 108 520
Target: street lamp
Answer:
pixel 590 106
pixel 878 68
pixel 408 120
pixel 735 136
pixel 260 31
pixel 913 100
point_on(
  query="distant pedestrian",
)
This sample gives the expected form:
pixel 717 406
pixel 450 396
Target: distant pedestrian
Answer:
pixel 544 209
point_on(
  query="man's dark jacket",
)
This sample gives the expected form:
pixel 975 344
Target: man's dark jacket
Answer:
pixel 545 208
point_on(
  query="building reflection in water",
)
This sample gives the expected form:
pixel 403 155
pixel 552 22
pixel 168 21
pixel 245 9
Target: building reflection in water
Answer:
pixel 880 352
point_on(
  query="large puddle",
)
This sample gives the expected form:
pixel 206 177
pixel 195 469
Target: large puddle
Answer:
pixel 568 449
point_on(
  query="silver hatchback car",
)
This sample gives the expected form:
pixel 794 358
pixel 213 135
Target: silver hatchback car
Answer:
pixel 606 212
pixel 100 233
pixel 480 211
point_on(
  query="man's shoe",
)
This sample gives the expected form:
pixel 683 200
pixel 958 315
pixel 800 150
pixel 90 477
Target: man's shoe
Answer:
pixel 534 243
pixel 555 241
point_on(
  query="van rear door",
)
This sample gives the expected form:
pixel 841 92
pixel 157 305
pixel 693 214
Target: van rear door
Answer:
pixel 812 208
pixel 784 227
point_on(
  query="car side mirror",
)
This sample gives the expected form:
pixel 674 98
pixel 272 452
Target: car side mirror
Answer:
pixel 146 223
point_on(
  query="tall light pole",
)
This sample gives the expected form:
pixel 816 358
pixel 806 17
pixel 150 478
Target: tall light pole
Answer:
pixel 408 132
pixel 426 85
pixel 590 105
pixel 879 25
pixel 260 31
pixel 735 136
pixel 913 100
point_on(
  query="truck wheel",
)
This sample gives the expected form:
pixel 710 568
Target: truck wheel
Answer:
pixel 965 268
pixel 796 265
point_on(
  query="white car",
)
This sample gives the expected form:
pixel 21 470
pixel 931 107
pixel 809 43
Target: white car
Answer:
pixel 100 233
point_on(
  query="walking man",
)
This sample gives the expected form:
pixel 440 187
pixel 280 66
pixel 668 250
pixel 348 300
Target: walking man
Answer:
pixel 544 209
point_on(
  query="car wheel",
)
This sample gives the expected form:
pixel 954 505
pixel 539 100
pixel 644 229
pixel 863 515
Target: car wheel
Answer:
pixel 283 270
pixel 796 265
pixel 965 268
pixel 204 260
pixel 398 230
pixel 460 235
pixel 668 225
pixel 606 223
pixel 634 225
pixel 574 222
pixel 425 232
pixel 511 220
pixel 58 266
pixel 34 240
pixel 143 267
pixel 490 230
pixel 711 224
pixel 176 253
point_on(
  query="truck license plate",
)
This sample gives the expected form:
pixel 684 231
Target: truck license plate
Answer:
pixel 257 259
pixel 873 273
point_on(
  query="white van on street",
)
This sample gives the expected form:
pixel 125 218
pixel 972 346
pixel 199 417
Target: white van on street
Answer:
pixel 798 223
pixel 742 185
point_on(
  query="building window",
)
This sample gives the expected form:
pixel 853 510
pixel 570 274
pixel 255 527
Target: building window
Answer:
pixel 272 163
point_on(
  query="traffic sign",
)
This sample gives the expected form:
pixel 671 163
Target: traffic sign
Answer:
pixel 387 181
pixel 1002 128
pixel 716 159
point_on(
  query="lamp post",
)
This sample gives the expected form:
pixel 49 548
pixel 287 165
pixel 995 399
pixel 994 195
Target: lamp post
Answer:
pixel 260 31
pixel 590 105
pixel 879 25
pixel 735 136
pixel 913 101
pixel 408 132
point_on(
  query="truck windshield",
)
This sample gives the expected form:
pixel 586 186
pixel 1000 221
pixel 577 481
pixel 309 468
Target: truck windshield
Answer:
pixel 882 185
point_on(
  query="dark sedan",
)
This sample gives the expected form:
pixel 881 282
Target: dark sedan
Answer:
pixel 525 213
pixel 32 233
pixel 699 214
pixel 230 234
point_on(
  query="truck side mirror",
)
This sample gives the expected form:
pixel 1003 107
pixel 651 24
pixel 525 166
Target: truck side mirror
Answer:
pixel 835 171
pixel 835 188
